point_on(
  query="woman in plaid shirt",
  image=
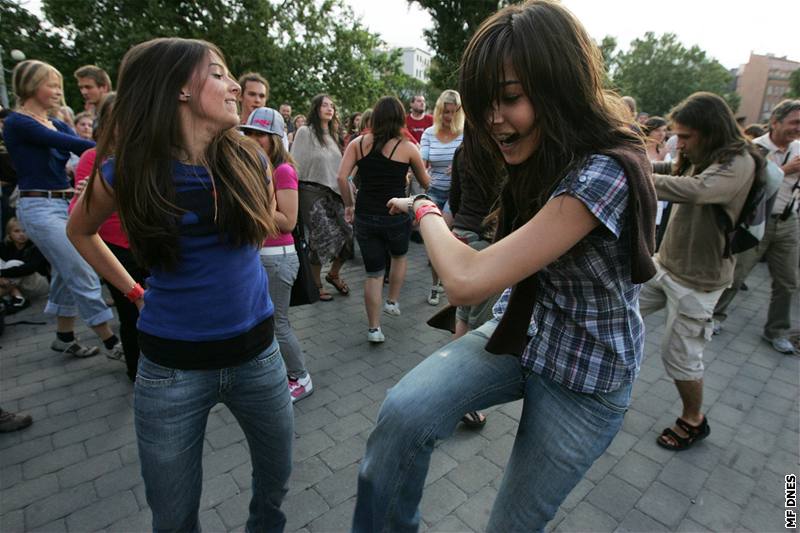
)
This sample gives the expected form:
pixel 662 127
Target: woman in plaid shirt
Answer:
pixel 576 219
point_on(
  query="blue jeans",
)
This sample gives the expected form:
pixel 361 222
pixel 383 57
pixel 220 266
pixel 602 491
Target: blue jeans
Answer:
pixel 171 410
pixel 560 434
pixel 282 273
pixel 440 196
pixel 74 286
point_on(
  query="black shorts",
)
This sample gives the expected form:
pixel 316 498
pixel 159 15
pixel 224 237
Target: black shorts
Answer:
pixel 378 233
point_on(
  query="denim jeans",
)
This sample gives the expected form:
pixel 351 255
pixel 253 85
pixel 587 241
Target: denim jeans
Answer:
pixel 282 272
pixel 440 196
pixel 74 286
pixel 560 434
pixel 171 410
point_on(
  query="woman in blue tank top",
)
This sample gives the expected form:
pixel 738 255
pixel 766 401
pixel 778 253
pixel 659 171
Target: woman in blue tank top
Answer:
pixel 193 197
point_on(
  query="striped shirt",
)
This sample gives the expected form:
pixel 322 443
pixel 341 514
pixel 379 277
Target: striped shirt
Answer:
pixel 440 157
pixel 586 332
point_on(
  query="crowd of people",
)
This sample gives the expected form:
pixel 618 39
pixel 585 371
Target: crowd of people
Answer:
pixel 155 203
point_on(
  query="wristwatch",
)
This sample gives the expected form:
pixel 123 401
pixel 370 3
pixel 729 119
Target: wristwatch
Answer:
pixel 413 199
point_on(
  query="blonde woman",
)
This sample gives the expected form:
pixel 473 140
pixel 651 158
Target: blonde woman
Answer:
pixel 438 145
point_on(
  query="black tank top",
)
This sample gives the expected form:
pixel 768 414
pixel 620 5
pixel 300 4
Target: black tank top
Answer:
pixel 381 179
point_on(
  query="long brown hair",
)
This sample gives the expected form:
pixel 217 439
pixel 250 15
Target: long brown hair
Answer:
pixel 721 137
pixel 144 137
pixel 561 72
pixel 387 121
pixel 314 121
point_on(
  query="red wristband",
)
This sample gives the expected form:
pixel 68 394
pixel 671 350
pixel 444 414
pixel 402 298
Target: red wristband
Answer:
pixel 135 293
pixel 426 209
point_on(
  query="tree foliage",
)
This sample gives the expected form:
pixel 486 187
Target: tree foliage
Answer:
pixel 659 72
pixel 303 47
pixel 454 23
pixel 794 85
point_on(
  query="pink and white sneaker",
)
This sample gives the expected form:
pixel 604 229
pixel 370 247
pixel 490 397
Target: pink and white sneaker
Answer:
pixel 300 388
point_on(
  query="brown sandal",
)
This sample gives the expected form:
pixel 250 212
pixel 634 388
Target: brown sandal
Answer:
pixel 339 283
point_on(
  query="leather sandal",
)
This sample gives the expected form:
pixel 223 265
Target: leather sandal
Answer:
pixel 339 283
pixel 694 434
pixel 474 420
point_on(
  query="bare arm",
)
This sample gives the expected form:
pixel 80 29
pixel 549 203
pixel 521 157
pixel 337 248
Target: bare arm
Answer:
pixel 345 168
pixel 471 276
pixel 286 209
pixel 82 232
pixel 418 166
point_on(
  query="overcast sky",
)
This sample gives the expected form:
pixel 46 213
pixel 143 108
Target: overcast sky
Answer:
pixel 727 31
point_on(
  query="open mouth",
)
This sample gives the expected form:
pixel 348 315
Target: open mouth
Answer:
pixel 507 140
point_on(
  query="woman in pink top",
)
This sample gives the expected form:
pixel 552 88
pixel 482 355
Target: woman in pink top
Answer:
pixel 113 235
pixel 278 255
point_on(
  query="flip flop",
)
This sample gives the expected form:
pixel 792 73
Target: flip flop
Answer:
pixel 324 296
pixel 474 420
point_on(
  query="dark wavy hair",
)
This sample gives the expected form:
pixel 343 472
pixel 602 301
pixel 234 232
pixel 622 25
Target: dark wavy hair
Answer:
pixel 315 121
pixel 144 136
pixel 388 120
pixel 721 137
pixel 561 72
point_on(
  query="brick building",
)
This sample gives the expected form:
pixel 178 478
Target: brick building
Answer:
pixel 763 82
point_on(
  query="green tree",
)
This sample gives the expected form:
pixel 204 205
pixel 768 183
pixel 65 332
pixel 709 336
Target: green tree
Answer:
pixel 303 47
pixel 453 25
pixel 794 85
pixel 659 72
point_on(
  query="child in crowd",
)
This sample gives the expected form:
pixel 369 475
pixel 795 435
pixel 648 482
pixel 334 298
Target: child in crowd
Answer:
pixel 23 268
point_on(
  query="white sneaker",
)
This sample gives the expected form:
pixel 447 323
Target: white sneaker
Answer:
pixel 301 387
pixel 116 353
pixel 375 335
pixel 717 327
pixel 781 344
pixel 391 308
pixel 439 287
pixel 433 298
pixel 74 349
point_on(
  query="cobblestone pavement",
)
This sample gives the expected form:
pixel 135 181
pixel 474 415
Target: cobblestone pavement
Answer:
pixel 76 468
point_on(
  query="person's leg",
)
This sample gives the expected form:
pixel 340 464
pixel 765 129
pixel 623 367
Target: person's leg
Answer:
pixel 371 242
pixel 397 276
pixel 426 405
pixel 373 296
pixel 259 398
pixel 171 410
pixel 282 273
pixel 398 233
pixel 782 259
pixel 561 433
pixel 127 311
pixel 745 262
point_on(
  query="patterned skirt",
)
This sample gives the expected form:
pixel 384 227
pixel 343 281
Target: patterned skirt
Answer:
pixel 329 235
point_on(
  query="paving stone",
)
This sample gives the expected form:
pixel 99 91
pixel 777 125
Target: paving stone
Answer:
pixel 744 460
pixel 638 522
pixel 56 526
pixel 586 517
pixel 302 508
pixel 470 476
pixel 13 521
pixel 339 518
pixel 601 467
pixel 577 494
pixel 104 512
pixel 27 492
pixel 476 510
pixel 234 511
pixel 637 470
pixel 344 453
pixel 614 496
pixel 738 399
pixel 450 524
pixel 704 455
pixel 690 526
pixel 218 489
pixel 348 426
pixel 683 477
pixel 439 499
pixel 311 444
pixel 224 460
pixel 715 512
pixel 59 505
pixel 307 473
pixel 313 420
pixel 123 478
pixel 339 487
pixel 25 450
pixel 53 461
pixel 755 438
pixel 730 484
pixel 500 450
pixel 636 423
pixel 773 403
pixel 143 521
pixel 621 444
pixel 760 515
pixel 78 432
pixel 89 469
pixel 765 420
pixel 664 504
pixel 349 404
pixel 465 443
pixel 10 476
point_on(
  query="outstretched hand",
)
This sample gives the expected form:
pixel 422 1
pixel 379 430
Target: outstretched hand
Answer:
pixel 397 206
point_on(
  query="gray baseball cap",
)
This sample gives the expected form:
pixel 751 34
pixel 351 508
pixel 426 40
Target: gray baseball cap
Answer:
pixel 264 119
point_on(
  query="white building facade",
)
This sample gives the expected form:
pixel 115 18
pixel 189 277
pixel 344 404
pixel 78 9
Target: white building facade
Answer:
pixel 416 63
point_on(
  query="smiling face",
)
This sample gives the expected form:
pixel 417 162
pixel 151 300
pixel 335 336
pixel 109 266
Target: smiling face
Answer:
pixel 512 121
pixel 254 95
pixel 49 94
pixel 218 93
pixel 787 130
pixel 448 113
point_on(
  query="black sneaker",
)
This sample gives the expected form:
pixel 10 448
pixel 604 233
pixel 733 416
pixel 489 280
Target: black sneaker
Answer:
pixel 13 421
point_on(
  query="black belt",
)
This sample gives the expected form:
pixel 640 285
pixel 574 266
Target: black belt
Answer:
pixel 63 195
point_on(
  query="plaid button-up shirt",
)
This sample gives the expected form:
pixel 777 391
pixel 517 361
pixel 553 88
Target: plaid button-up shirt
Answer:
pixel 586 332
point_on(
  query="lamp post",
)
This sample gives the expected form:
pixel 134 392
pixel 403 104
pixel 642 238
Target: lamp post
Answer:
pixel 16 55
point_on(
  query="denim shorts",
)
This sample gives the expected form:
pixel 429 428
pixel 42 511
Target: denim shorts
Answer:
pixel 376 234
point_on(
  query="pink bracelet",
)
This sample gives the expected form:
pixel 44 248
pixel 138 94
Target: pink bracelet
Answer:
pixel 426 209
pixel 135 293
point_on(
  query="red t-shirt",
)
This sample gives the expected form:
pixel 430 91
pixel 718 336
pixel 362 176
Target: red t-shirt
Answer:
pixel 416 127
pixel 110 230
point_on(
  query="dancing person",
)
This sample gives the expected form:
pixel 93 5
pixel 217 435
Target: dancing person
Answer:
pixel 114 237
pixel 383 157
pixel 568 338
pixel 438 144
pixel 316 150
pixel 278 253
pixel 40 148
pixel 193 197
pixel 710 181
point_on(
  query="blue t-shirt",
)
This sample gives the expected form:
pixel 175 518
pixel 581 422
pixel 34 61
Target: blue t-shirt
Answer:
pixel 40 154
pixel 218 291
